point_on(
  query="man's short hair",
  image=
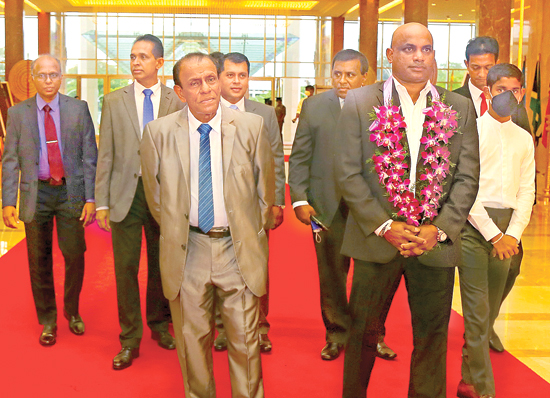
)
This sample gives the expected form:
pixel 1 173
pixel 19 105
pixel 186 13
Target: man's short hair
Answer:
pixel 218 57
pixel 236 58
pixel 279 99
pixel 482 45
pixel 499 71
pixel 309 87
pixel 188 57
pixel 49 56
pixel 350 55
pixel 158 48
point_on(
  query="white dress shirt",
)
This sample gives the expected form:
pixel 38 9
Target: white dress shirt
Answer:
pixel 220 216
pixel 507 176
pixel 239 104
pixel 476 97
pixel 140 97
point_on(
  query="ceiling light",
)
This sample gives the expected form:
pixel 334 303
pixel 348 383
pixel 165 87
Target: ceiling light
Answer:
pixel 286 5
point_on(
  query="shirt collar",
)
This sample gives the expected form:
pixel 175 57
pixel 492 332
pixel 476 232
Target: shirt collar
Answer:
pixel 488 116
pixel 139 88
pixel 402 90
pixel 54 104
pixel 474 91
pixel 215 122
pixel 342 100
pixel 240 103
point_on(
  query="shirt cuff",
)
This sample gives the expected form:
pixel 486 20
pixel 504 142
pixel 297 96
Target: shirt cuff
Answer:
pixel 90 200
pixel 379 230
pixel 299 203
pixel 102 208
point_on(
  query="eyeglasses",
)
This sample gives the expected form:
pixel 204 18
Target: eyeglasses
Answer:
pixel 45 76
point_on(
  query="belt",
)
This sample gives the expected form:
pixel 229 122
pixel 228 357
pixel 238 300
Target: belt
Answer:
pixel 51 181
pixel 213 233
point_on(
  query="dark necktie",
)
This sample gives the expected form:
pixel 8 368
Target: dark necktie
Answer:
pixel 148 114
pixel 483 108
pixel 206 201
pixel 54 154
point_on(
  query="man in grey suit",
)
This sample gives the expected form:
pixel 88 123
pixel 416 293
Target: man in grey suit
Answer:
pixel 314 192
pixel 50 156
pixel 120 199
pixel 209 181
pixel 234 77
pixel 386 246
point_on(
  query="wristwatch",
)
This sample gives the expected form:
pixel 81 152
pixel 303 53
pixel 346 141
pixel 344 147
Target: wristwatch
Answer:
pixel 441 235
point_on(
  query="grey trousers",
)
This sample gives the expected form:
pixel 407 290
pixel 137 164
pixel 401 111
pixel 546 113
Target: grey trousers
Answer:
pixel 482 281
pixel 212 274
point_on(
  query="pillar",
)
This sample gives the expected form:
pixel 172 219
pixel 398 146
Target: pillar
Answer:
pixel 337 35
pixel 416 11
pixel 14 33
pixel 493 19
pixel 44 33
pixel 368 34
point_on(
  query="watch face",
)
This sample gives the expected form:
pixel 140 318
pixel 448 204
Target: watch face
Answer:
pixel 442 236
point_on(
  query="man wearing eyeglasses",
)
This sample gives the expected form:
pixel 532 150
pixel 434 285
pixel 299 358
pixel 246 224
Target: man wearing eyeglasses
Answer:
pixel 50 156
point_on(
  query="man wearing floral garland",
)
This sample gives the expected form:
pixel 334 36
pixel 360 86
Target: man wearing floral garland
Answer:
pixel 408 167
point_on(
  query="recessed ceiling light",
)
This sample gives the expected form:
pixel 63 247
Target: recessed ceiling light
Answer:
pixel 433 4
pixel 459 15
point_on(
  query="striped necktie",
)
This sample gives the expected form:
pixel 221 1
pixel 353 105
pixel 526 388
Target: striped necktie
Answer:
pixel 206 201
pixel 148 113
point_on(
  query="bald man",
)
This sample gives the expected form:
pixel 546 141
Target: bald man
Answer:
pixel 385 247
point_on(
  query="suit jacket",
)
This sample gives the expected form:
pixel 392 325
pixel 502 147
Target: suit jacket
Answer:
pixel 119 159
pixel 311 163
pixel 367 199
pixel 519 117
pixel 22 154
pixel 272 133
pixel 248 188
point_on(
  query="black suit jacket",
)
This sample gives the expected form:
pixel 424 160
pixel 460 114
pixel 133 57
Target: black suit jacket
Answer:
pixel 367 199
pixel 519 117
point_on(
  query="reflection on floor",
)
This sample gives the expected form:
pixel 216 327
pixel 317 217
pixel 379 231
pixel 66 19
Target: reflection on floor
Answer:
pixel 524 321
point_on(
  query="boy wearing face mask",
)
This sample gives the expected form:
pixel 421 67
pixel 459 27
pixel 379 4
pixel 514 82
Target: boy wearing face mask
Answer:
pixel 496 222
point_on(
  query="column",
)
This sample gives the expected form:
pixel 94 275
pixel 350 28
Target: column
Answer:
pixel 44 33
pixel 14 33
pixel 415 11
pixel 337 35
pixel 368 34
pixel 493 19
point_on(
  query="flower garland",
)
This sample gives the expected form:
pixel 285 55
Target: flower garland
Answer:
pixel 388 130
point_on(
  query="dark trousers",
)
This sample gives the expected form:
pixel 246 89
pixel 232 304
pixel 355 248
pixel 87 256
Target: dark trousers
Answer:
pixel 52 202
pixel 430 291
pixel 127 236
pixel 333 274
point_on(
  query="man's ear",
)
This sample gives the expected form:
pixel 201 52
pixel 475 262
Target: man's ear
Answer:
pixel 487 92
pixel 466 63
pixel 521 96
pixel 389 55
pixel 179 92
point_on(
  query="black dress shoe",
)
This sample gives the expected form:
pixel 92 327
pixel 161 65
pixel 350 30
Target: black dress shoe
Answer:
pixel 125 357
pixel 76 324
pixel 384 352
pixel 494 342
pixel 220 344
pixel 331 351
pixel 164 339
pixel 265 343
pixel 48 336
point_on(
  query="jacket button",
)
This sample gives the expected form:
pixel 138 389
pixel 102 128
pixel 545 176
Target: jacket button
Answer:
pixel 37 163
pixel 187 216
pixel 138 152
pixel 183 247
pixel 135 176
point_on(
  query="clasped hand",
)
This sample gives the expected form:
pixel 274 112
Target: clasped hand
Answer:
pixel 411 241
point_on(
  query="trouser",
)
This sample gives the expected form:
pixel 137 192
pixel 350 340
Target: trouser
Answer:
pixel 126 237
pixel 212 274
pixel 52 202
pixel 482 281
pixel 430 291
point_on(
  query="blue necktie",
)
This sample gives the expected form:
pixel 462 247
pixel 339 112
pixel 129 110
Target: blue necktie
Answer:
pixel 206 201
pixel 233 106
pixel 148 114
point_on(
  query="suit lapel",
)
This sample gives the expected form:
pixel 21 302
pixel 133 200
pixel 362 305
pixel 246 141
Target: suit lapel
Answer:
pixel 65 121
pixel 31 115
pixel 165 101
pixel 249 106
pixel 334 105
pixel 228 137
pixel 182 143
pixel 130 104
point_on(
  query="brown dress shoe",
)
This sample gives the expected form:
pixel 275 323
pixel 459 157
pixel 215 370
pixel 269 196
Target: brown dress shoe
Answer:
pixel 494 342
pixel 468 391
pixel 48 336
pixel 220 344
pixel 164 339
pixel 331 351
pixel 383 351
pixel 125 357
pixel 265 343
pixel 76 324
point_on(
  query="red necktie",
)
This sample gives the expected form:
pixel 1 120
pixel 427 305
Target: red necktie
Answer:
pixel 54 154
pixel 483 108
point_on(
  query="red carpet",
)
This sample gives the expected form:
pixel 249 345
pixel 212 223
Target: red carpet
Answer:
pixel 81 366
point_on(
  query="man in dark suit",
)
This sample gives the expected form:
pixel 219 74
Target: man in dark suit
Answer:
pixel 50 146
pixel 121 205
pixel 385 246
pixel 209 181
pixel 314 192
pixel 234 71
pixel 481 55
